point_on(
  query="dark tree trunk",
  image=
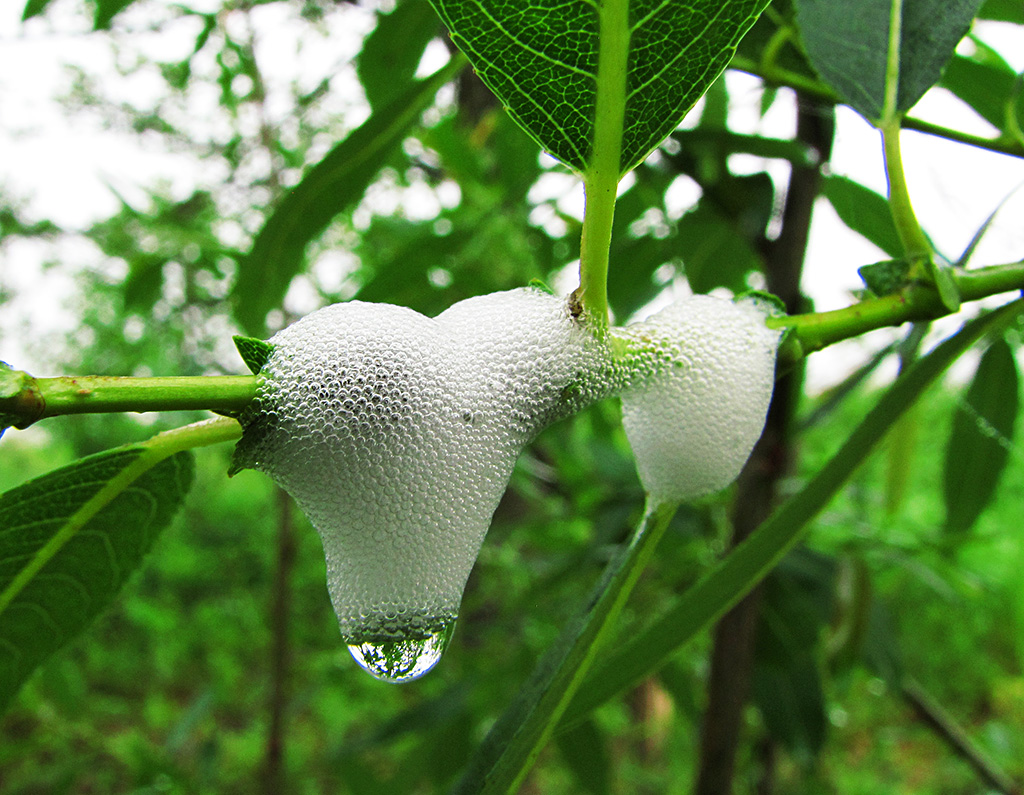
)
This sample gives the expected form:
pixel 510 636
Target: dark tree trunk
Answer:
pixel 732 656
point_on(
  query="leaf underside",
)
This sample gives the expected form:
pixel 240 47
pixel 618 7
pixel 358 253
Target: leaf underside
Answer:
pixel 540 59
pixel 847 44
pixel 85 559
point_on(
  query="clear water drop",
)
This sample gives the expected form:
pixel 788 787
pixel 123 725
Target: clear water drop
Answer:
pixel 399 661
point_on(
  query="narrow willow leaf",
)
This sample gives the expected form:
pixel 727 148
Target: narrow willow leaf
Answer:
pixel 541 59
pixel 987 86
pixel 69 540
pixel 506 755
pixel 731 579
pixel 387 63
pixel 847 44
pixel 978 445
pixel 865 212
pixel 786 687
pixel 332 185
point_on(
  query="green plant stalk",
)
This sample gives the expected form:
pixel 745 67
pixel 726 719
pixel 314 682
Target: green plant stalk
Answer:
pixel 732 578
pixel 155 450
pixel 39 398
pixel 892 62
pixel 780 77
pixel 508 752
pixel 604 167
pixel 31 399
pixel 915 244
pixel 917 301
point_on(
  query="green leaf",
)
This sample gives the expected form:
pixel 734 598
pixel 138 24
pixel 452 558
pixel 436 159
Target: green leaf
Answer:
pixel 332 185
pixel 865 212
pixel 885 277
pixel 15 383
pixel 541 59
pixel 254 352
pixel 787 689
pixel 34 8
pixel 1003 11
pixel 387 63
pixel 881 645
pixel 105 12
pixel 984 86
pixel 585 752
pixel 945 285
pixel 732 578
pixel 713 251
pixel 847 44
pixel 506 755
pixel 69 541
pixel 982 433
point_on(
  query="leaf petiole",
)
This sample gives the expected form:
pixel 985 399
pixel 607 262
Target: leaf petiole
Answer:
pixel 604 166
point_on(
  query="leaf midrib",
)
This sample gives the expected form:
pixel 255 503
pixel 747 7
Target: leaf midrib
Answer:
pixel 144 461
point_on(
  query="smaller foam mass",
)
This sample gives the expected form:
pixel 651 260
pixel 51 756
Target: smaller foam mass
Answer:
pixel 693 422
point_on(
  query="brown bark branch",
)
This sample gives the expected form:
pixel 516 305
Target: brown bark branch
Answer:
pixel 732 656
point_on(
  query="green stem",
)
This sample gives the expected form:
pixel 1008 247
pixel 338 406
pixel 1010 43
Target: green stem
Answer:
pixel 915 244
pixel 24 399
pixel 604 168
pixel 892 63
pixel 785 78
pixel 38 398
pixel 918 301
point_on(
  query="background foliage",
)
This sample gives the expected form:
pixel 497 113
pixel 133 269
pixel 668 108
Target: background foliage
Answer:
pixel 887 652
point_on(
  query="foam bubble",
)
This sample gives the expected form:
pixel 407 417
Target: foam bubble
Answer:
pixel 396 434
pixel 705 372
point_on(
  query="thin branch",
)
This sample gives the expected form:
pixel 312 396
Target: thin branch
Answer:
pixel 916 301
pixel 779 77
pixel 25 399
pixel 934 715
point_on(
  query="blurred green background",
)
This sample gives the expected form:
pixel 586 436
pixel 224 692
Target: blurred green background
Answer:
pixel 881 643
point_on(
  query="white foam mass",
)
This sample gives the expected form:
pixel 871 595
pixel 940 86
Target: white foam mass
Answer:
pixel 693 422
pixel 396 434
